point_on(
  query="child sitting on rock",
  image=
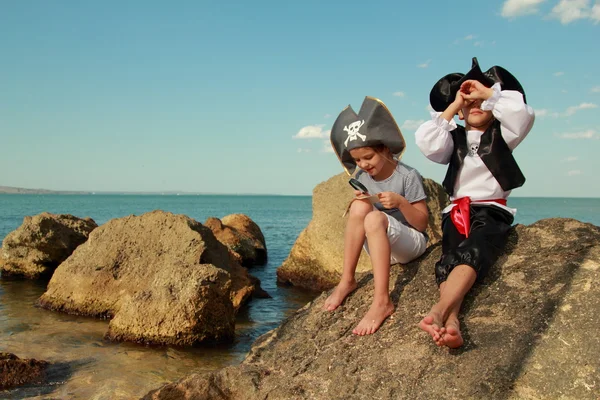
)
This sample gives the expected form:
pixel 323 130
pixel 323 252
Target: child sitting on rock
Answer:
pixel 391 229
pixel 481 173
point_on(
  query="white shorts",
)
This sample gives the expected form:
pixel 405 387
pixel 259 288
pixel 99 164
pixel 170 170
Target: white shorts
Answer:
pixel 406 243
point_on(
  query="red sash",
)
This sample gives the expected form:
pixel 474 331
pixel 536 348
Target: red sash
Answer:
pixel 461 213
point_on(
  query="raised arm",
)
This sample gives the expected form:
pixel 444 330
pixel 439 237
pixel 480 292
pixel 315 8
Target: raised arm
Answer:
pixel 434 139
pixel 516 117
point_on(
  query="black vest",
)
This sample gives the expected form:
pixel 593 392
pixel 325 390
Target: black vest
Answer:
pixel 495 154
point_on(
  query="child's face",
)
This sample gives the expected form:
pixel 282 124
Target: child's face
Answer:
pixel 368 160
pixel 475 117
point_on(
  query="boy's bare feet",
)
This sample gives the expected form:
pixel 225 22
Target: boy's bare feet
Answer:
pixel 341 291
pixel 432 324
pixel 452 337
pixel 374 318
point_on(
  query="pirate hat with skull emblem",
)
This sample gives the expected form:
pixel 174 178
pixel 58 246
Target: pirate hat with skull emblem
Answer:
pixel 373 125
pixel 444 91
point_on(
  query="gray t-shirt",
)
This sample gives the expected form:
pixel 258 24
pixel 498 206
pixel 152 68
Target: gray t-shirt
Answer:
pixel 405 180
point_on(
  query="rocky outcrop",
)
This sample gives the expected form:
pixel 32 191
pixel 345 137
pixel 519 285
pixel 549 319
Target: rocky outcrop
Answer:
pixel 242 236
pixel 530 333
pixel 15 371
pixel 41 243
pixel 161 278
pixel 315 261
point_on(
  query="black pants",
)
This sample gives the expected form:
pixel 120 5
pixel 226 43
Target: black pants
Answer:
pixel 486 241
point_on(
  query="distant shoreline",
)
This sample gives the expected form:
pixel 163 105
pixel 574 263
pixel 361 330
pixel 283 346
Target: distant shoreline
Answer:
pixel 16 191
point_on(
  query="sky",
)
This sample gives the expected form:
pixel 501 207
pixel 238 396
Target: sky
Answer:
pixel 239 97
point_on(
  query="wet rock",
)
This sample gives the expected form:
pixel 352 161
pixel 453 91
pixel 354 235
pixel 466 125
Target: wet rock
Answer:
pixel 161 278
pixel 41 243
pixel 241 235
pixel 530 331
pixel 315 261
pixel 15 371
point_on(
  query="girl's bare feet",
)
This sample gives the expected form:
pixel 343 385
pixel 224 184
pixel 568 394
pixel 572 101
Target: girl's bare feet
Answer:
pixel 374 318
pixel 341 291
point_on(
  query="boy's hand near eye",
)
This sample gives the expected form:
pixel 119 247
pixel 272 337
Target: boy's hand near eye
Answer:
pixel 475 90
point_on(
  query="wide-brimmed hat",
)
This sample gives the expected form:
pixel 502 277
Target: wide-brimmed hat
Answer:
pixel 444 91
pixel 373 125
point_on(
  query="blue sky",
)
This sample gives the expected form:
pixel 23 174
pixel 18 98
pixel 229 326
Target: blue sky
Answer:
pixel 239 97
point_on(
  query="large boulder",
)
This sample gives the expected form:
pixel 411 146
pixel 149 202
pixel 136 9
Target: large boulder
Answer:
pixel 161 278
pixel 15 371
pixel 242 236
pixel 41 243
pixel 315 261
pixel 530 331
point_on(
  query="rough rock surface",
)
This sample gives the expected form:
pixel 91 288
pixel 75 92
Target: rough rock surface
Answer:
pixel 315 261
pixel 15 371
pixel 41 243
pixel 162 278
pixel 242 236
pixel 530 331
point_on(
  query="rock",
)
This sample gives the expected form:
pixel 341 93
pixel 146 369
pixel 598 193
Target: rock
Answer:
pixel 530 331
pixel 241 235
pixel 41 243
pixel 315 261
pixel 15 371
pixel 162 278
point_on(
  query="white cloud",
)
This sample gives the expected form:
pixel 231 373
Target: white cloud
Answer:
pixel 424 65
pixel 301 150
pixel 327 147
pixel 595 13
pixel 312 132
pixel 518 8
pixel 574 172
pixel 589 134
pixel 568 11
pixel 429 108
pixel 327 116
pixel 570 159
pixel 559 73
pixel 399 94
pixel 469 37
pixel 478 43
pixel 411 124
pixel 595 89
pixel 583 106
pixel 541 113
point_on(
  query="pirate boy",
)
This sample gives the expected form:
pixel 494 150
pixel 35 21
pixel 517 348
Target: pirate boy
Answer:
pixel 481 174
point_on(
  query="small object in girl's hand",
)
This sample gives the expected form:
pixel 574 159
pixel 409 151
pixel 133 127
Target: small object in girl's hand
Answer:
pixel 358 186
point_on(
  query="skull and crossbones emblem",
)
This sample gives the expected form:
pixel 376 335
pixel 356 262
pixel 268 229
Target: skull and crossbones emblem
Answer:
pixel 473 149
pixel 353 132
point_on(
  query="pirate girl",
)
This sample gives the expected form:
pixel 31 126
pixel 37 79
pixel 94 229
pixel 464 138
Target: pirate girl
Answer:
pixel 481 173
pixel 390 226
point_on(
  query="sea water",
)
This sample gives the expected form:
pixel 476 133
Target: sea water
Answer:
pixel 87 367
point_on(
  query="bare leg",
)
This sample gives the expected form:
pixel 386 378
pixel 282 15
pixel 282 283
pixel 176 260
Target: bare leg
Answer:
pixel 376 224
pixel 442 321
pixel 354 237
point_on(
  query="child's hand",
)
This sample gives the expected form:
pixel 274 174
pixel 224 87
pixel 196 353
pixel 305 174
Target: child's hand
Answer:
pixel 390 199
pixel 475 90
pixel 459 100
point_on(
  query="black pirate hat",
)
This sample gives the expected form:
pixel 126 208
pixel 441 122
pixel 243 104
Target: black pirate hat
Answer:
pixel 444 91
pixel 372 126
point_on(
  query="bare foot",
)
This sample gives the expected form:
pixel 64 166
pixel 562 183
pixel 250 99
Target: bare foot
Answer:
pixel 373 318
pixel 338 295
pixel 452 337
pixel 432 324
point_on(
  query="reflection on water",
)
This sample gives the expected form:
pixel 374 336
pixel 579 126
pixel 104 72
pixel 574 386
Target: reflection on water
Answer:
pixel 87 367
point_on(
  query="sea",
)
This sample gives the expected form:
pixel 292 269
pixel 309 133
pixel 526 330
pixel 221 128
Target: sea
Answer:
pixel 85 366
